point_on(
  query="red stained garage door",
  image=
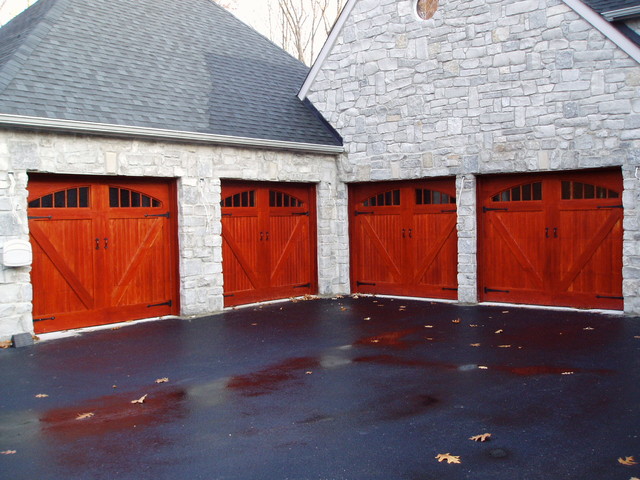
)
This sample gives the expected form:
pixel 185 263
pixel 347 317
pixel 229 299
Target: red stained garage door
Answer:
pixel 104 250
pixel 552 239
pixel 403 238
pixel 268 241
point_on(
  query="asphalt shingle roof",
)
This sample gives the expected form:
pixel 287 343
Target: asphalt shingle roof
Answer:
pixel 186 65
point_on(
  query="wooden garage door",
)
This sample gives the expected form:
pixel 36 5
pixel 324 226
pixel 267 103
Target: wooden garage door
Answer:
pixel 552 239
pixel 403 238
pixel 268 241
pixel 104 251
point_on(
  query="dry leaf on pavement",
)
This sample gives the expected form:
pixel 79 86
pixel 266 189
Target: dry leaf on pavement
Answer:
pixel 499 331
pixel 629 461
pixel 448 457
pixel 8 452
pixel 504 346
pixel 42 395
pixel 162 380
pixel 481 438
pixel 141 399
pixel 456 320
pixel 474 344
pixel 84 416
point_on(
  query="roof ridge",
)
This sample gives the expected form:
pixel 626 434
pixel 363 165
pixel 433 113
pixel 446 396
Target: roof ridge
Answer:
pixel 33 38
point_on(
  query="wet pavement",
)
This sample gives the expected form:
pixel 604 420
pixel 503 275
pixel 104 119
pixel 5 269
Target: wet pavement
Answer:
pixel 346 388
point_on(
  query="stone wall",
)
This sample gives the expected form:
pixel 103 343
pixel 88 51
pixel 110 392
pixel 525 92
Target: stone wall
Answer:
pixel 198 170
pixel 485 86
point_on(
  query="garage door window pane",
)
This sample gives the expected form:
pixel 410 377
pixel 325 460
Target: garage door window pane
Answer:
pixel 521 193
pixel 69 198
pixel 125 198
pixel 433 197
pixel 386 199
pixel 243 199
pixel 585 191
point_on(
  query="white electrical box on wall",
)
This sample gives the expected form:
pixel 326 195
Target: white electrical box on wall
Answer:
pixel 17 253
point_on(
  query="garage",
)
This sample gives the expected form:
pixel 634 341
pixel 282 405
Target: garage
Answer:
pixel 104 250
pixel 403 238
pixel 268 241
pixel 552 239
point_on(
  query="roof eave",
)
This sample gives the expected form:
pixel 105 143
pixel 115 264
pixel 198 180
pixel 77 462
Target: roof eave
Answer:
pixel 104 129
pixel 607 29
pixel 326 49
pixel 622 13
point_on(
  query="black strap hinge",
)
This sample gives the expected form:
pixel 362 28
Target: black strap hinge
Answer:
pixel 359 284
pixel 306 285
pixel 489 209
pixel 43 319
pixel 363 213
pixel 610 206
pixel 612 298
pixel 450 288
pixel 165 215
pixel 48 217
pixel 169 303
pixel 490 290
pixel 300 214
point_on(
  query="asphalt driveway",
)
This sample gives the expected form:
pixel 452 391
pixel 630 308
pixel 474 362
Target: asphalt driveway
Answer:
pixel 345 388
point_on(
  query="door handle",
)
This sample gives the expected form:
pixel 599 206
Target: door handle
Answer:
pixel 555 232
pixel 261 236
pixel 410 233
pixel 403 236
pixel 106 243
pixel 546 232
pixel 97 244
pixel 267 236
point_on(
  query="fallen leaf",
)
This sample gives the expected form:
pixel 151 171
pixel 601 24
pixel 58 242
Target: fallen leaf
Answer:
pixel 629 461
pixel 308 373
pixel 482 367
pixel 428 326
pixel 481 438
pixel 116 328
pixel 254 324
pixel 504 346
pixel 84 416
pixel 567 373
pixel 343 308
pixel 505 311
pixel 588 328
pixel 637 336
pixel 499 331
pixel 634 478
pixel 456 320
pixel 367 318
pixel 8 452
pixel 448 457
pixel 162 380
pixel 473 325
pixel 474 344
pixel 428 338
pixel 5 344
pixel 42 395
pixel 141 399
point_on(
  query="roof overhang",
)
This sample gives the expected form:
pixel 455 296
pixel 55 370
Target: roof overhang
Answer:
pixel 622 13
pixel 326 48
pixel 607 29
pixel 126 131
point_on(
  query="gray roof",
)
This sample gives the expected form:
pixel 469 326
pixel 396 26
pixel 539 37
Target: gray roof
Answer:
pixel 601 6
pixel 186 65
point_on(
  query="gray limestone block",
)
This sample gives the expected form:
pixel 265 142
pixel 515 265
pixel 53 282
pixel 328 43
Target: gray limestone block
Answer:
pixel 22 340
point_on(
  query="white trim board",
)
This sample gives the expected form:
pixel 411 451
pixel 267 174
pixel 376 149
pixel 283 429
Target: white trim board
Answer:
pixel 326 49
pixel 107 129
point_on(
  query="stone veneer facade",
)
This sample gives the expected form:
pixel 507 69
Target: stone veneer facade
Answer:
pixel 484 87
pixel 198 170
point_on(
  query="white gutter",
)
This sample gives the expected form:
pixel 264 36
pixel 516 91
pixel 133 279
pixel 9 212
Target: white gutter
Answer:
pixel 41 123
pixel 606 28
pixel 621 13
pixel 326 49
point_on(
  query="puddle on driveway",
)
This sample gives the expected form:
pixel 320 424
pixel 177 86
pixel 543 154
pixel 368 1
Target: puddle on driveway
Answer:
pixel 390 339
pixel 114 413
pixel 272 378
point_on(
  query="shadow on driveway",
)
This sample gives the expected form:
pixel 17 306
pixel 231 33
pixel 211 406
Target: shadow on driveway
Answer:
pixel 343 388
